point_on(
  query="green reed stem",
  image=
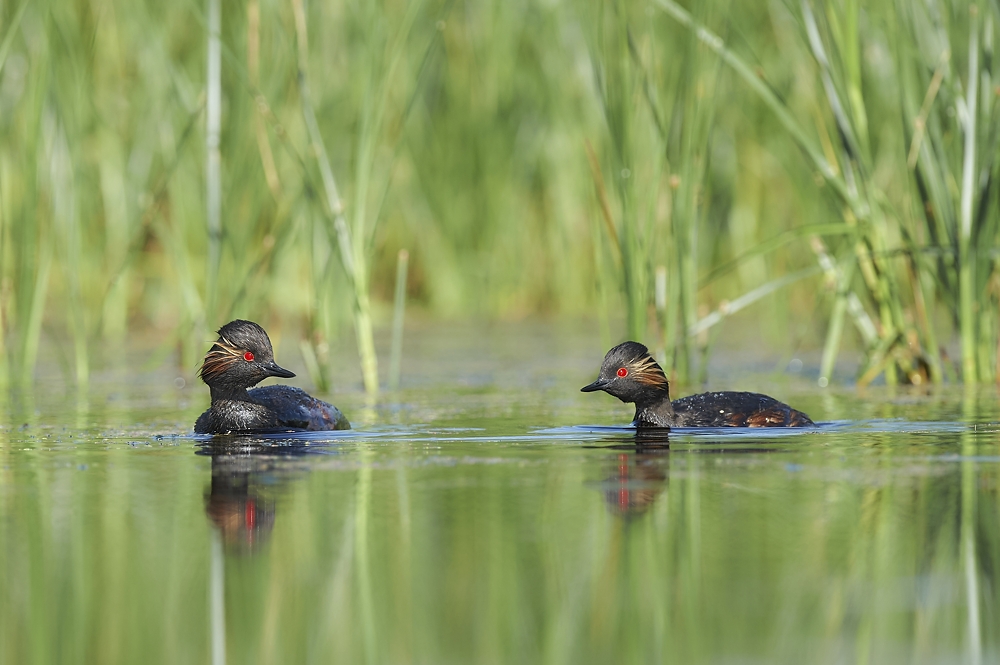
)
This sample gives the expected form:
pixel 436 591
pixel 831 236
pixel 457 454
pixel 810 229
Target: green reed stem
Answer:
pixel 773 244
pixel 313 366
pixel 879 358
pixel 64 204
pixel 114 310
pixel 727 309
pixel 363 557
pixel 12 31
pixel 687 248
pixel 398 313
pixel 217 599
pixel 968 528
pixel 354 269
pixel 766 94
pixel 832 344
pixel 673 331
pixel 5 314
pixel 33 329
pixel 660 302
pixel 968 113
pixel 213 158
pixel 926 322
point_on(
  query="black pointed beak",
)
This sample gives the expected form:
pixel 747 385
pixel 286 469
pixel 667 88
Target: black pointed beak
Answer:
pixel 273 369
pixel 600 384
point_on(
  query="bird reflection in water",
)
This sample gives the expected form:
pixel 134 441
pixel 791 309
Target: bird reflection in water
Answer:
pixel 638 474
pixel 242 496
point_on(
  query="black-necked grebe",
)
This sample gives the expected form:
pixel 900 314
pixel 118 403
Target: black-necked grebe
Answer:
pixel 630 374
pixel 241 358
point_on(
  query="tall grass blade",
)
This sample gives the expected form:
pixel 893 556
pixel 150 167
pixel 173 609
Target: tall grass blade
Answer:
pixel 213 158
pixel 217 599
pixel 831 346
pixel 398 315
pixel 878 359
pixel 469 156
pixel 660 302
pixel 968 526
pixel 727 309
pixel 260 128
pixel 12 29
pixel 767 95
pixel 846 301
pixel 313 366
pixel 602 196
pixel 64 210
pixel 773 244
pixel 33 330
pixel 363 558
pixel 967 287
pixel 345 242
pixel 114 197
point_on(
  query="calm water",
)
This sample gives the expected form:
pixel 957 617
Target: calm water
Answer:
pixel 491 513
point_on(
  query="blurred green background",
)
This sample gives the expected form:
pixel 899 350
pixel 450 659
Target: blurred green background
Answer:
pixel 827 170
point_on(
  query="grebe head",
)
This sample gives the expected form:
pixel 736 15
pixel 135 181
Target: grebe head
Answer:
pixel 241 358
pixel 630 374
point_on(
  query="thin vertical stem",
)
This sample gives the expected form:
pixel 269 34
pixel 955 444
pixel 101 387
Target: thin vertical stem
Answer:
pixel 967 527
pixel 833 334
pixel 217 599
pixel 688 285
pixel 832 345
pixel 213 176
pixel 5 217
pixel 767 95
pixel 33 329
pixel 398 313
pixel 632 266
pixel 967 258
pixel 932 354
pixel 365 334
pixel 660 300
pixel 847 299
pixel 313 367
pixel 674 333
pixel 253 68
pixel 4 214
pixel 357 274
pixel 64 202
pixel 362 553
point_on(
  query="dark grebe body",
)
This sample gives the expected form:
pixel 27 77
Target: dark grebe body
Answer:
pixel 242 357
pixel 630 374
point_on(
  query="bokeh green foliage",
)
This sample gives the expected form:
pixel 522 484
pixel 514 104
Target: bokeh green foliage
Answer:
pixel 533 157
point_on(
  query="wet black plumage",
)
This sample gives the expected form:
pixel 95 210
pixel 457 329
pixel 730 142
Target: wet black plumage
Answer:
pixel 241 358
pixel 630 374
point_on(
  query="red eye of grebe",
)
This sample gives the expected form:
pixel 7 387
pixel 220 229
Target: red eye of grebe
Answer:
pixel 622 372
pixel 248 357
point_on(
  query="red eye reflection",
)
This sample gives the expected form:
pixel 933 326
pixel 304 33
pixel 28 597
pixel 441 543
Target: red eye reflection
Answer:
pixel 622 372
pixel 248 357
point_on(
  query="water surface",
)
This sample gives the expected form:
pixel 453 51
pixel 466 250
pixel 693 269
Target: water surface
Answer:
pixel 491 513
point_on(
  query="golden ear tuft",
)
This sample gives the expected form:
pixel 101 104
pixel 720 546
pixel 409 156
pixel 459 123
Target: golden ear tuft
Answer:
pixel 220 358
pixel 646 371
